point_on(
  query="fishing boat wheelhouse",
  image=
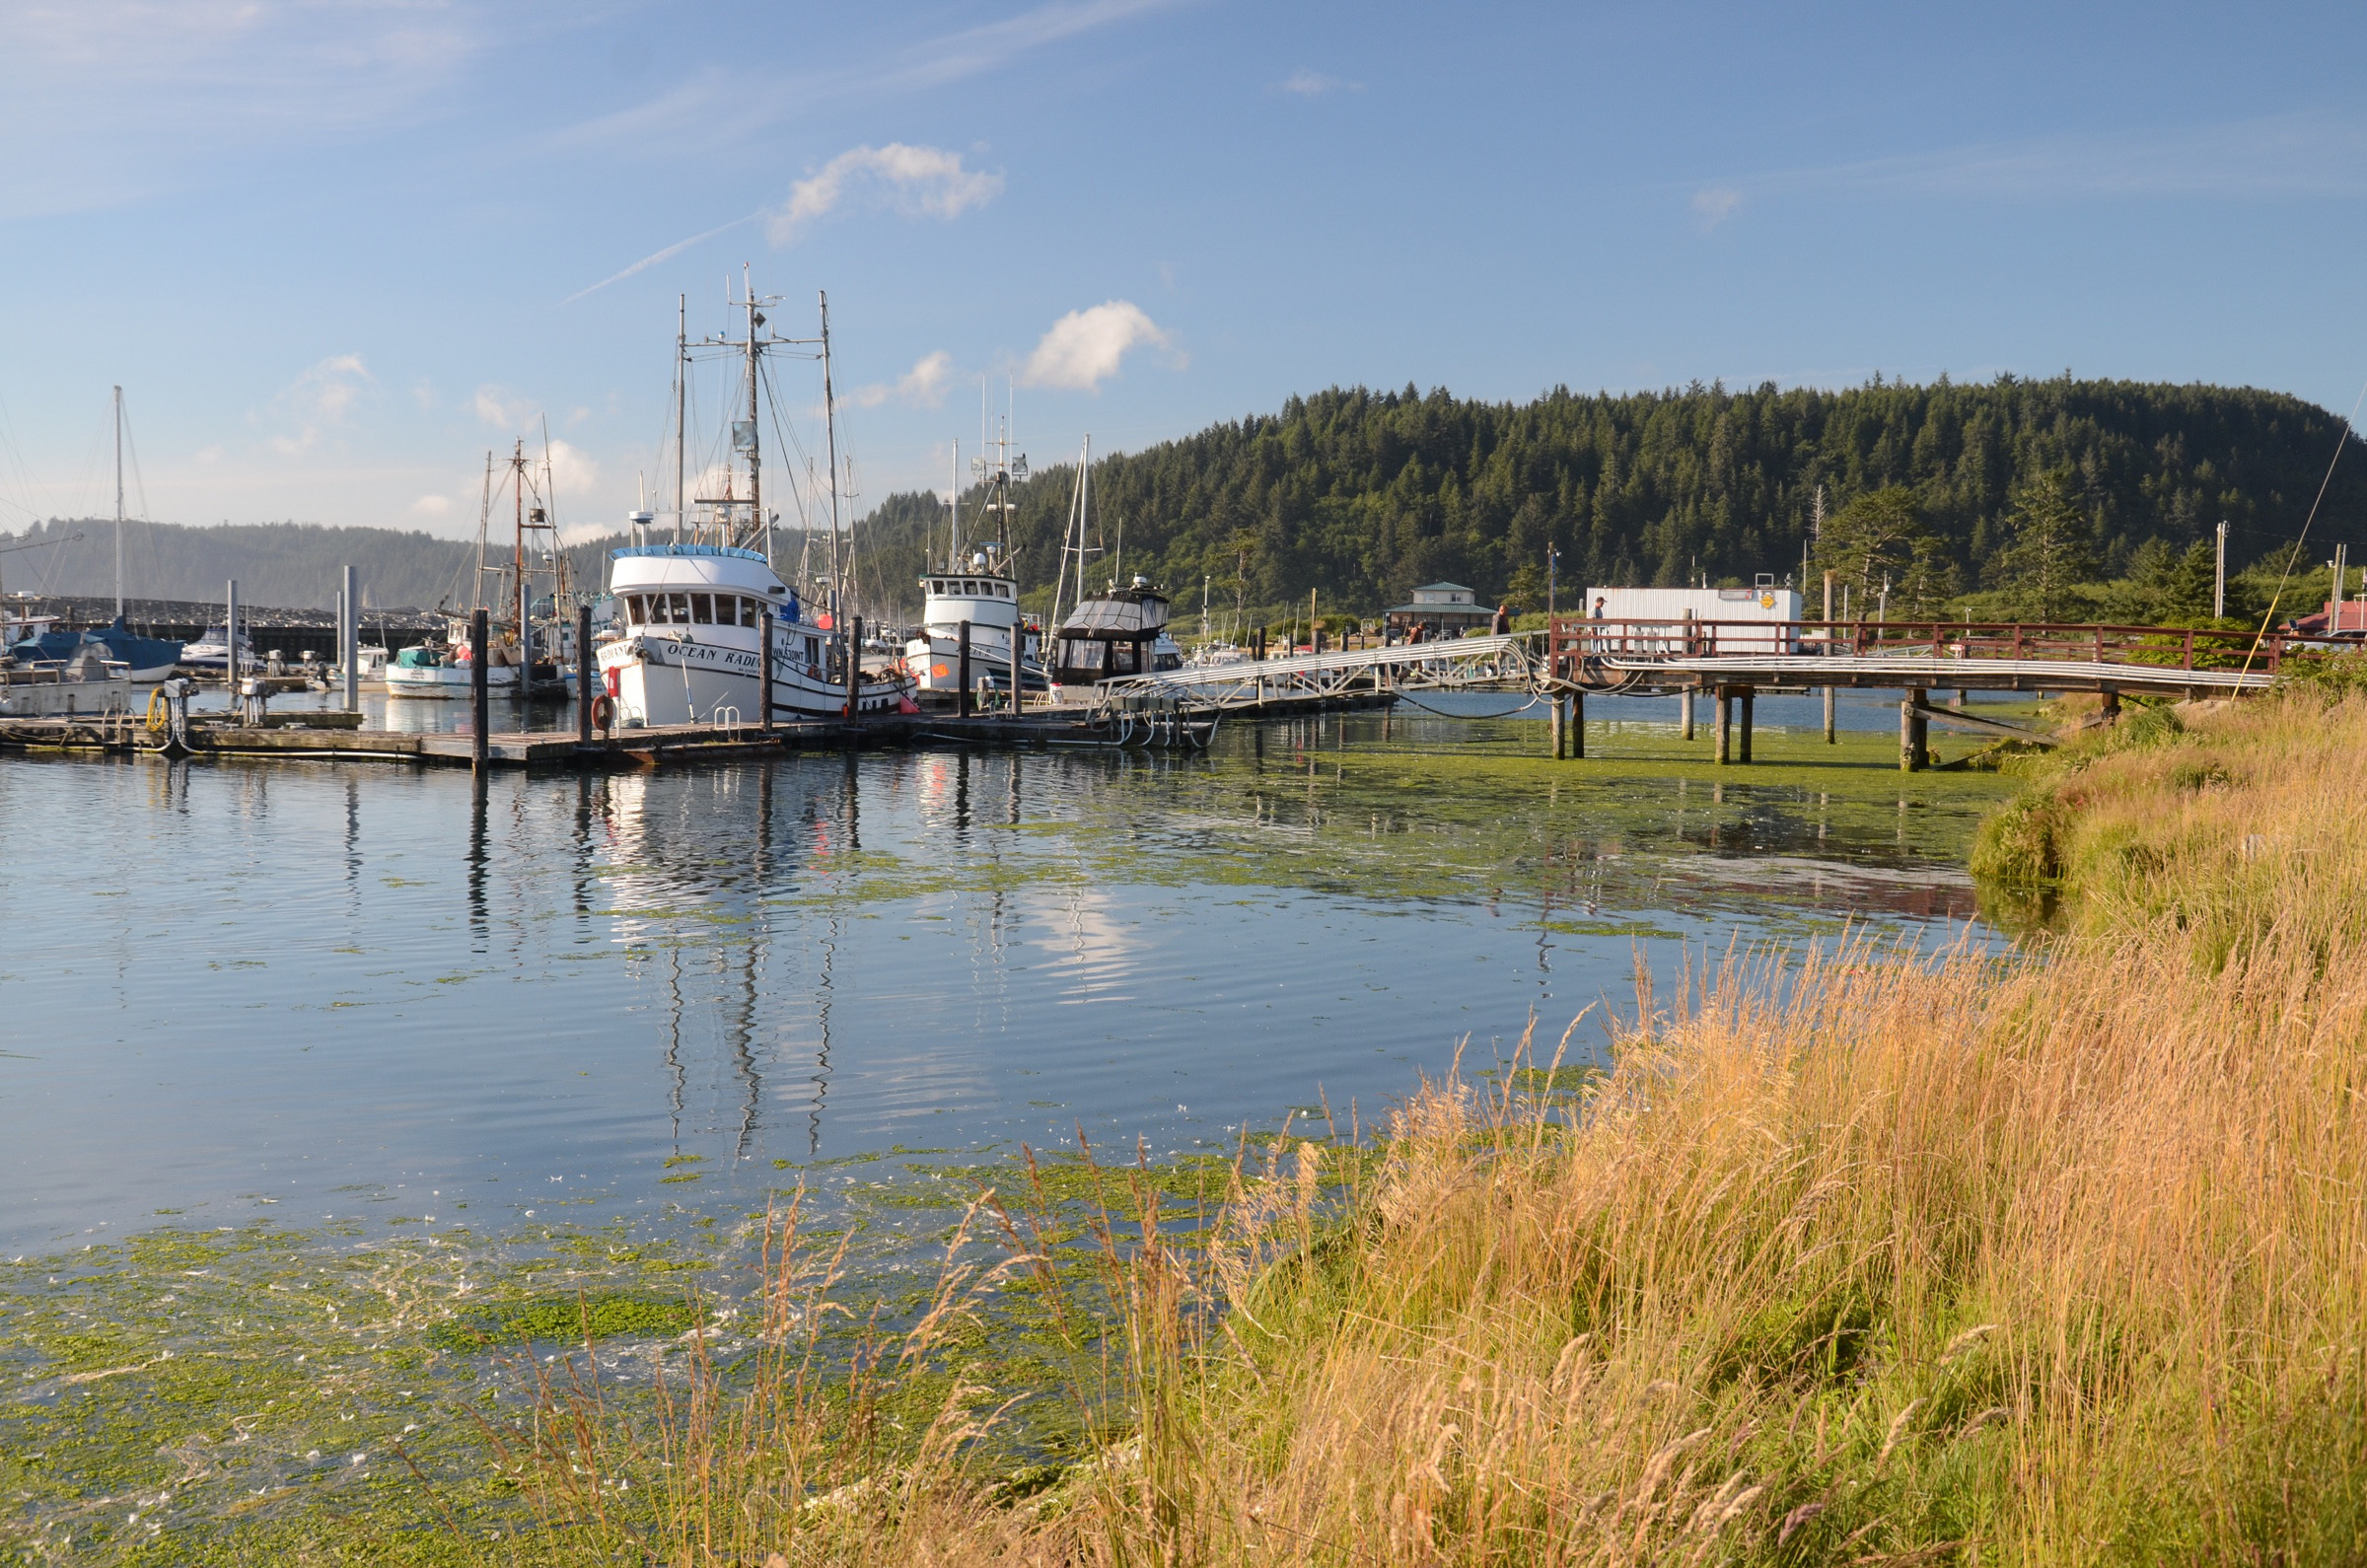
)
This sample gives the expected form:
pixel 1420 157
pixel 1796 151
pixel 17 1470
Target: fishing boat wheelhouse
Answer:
pixel 1119 632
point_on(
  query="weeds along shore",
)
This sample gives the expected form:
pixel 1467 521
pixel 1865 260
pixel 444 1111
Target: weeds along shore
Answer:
pixel 1855 1255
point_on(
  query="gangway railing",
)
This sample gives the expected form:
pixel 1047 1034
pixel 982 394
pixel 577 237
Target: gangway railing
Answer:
pixel 1501 660
pixel 1574 644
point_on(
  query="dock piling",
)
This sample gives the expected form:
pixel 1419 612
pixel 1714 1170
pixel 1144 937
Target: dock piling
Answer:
pixel 1577 725
pixel 1553 725
pixel 1744 750
pixel 961 697
pixel 587 675
pixel 1684 711
pixel 764 625
pixel 349 639
pixel 854 665
pixel 1725 726
pixel 230 658
pixel 1914 750
pixel 481 708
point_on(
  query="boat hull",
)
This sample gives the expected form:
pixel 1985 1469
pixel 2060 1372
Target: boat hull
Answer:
pixel 448 682
pixel 660 681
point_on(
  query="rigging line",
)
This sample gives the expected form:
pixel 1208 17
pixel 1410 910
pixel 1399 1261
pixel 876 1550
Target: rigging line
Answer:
pixel 2292 559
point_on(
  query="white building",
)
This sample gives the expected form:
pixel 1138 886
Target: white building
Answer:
pixel 1723 620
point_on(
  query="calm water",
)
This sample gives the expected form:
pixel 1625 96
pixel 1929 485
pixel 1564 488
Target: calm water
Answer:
pixel 315 990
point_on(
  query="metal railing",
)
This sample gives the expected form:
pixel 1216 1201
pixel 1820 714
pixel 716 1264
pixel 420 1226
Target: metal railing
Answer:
pixel 1571 642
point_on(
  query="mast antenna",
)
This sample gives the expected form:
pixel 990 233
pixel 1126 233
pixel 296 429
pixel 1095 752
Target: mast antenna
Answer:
pixel 682 375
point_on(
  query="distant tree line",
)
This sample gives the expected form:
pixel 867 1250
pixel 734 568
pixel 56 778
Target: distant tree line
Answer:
pixel 2057 498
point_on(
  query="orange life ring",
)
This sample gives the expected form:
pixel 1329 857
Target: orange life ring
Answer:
pixel 603 712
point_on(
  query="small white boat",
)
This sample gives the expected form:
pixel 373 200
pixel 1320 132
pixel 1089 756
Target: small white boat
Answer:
pixel 447 671
pixel 87 684
pixel 212 650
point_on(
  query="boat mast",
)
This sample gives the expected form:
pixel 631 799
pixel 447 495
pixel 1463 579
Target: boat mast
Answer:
pixel 953 528
pixel 756 484
pixel 118 503
pixel 517 558
pixel 829 415
pixel 682 375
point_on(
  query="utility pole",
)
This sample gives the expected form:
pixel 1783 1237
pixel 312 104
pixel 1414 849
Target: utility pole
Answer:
pixel 2219 577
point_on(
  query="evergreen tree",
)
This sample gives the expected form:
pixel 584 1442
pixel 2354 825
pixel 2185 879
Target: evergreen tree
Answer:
pixel 2048 556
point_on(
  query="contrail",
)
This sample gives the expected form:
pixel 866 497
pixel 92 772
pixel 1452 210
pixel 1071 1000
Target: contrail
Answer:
pixel 667 255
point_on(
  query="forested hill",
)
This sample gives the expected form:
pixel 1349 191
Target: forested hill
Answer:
pixel 1362 495
pixel 288 565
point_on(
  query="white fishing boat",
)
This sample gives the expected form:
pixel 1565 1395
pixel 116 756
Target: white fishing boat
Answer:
pixel 522 658
pixel 687 645
pixel 979 594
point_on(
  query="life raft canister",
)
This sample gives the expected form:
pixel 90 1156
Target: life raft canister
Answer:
pixel 611 679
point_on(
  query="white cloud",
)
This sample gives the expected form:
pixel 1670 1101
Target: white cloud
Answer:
pixel 1084 348
pixel 1314 84
pixel 1715 204
pixel 916 181
pixel 923 386
pixel 432 506
pixel 496 407
pixel 574 472
pixel 318 399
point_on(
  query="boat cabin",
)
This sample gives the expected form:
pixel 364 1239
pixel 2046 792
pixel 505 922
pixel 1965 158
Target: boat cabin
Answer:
pixel 1115 633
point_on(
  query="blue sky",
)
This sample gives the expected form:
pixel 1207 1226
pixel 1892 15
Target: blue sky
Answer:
pixel 336 251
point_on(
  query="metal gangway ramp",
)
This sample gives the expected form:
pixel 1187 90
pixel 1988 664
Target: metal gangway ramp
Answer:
pixel 1514 660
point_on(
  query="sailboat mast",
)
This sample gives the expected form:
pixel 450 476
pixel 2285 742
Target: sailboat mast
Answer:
pixel 755 482
pixel 681 377
pixel 118 503
pixel 518 560
pixel 830 414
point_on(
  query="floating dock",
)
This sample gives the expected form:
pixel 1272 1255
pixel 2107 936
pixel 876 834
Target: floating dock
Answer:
pixel 334 735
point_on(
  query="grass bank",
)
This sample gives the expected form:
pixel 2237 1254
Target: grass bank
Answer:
pixel 1859 1255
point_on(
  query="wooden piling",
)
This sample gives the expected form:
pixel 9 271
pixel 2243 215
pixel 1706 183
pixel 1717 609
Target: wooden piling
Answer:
pixel 1913 734
pixel 1744 750
pixel 1725 725
pixel 854 665
pixel 480 706
pixel 763 670
pixel 587 675
pixel 1685 710
pixel 962 673
pixel 1577 727
pixel 1553 726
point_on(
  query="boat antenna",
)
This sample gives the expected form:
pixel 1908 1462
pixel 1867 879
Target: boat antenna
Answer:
pixel 118 503
pixel 681 375
pixel 953 526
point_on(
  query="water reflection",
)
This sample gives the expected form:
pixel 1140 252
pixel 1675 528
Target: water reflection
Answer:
pixel 533 985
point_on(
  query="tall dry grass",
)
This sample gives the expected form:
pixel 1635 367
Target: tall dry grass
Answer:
pixel 1850 1256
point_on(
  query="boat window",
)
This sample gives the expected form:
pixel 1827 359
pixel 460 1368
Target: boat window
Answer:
pixel 936 584
pixel 748 611
pixel 969 587
pixel 702 610
pixel 1002 590
pixel 813 650
pixel 678 606
pixel 632 607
